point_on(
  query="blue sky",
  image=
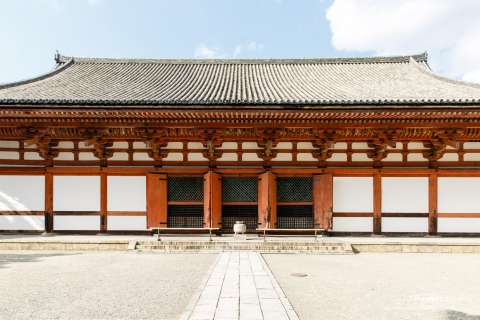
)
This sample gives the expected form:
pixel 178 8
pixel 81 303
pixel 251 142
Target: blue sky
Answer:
pixel 31 30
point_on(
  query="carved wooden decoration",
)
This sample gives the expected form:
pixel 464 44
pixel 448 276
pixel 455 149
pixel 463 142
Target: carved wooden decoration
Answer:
pixel 267 141
pixel 212 141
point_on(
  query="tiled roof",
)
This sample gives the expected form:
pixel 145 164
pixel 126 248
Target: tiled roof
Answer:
pixel 402 80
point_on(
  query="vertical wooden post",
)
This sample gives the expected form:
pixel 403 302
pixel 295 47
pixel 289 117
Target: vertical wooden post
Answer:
pixel 157 202
pixel 432 204
pixel 212 200
pixel 267 200
pixel 323 201
pixel 377 203
pixel 103 202
pixel 48 202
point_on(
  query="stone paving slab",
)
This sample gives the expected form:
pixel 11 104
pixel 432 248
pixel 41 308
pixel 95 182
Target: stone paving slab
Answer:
pixel 240 286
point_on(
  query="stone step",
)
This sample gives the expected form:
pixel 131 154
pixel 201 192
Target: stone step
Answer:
pixel 217 246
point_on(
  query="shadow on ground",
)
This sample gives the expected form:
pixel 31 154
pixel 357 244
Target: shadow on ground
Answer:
pixel 457 315
pixel 12 258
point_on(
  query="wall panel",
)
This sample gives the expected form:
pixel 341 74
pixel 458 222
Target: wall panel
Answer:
pixel 354 224
pixel 127 193
pixel 405 225
pixel 27 222
pixel 405 194
pixel 22 193
pixel 469 225
pixel 120 223
pixel 352 194
pixel 459 194
pixel 76 193
pixel 88 223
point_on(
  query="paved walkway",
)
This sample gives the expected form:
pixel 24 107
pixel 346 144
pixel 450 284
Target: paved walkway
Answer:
pixel 240 286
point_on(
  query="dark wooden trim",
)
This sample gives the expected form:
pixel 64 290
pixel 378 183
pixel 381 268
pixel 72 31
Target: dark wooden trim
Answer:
pixel 240 203
pixel 377 203
pixel 76 213
pixel 295 203
pixel 458 215
pixel 353 214
pixel 404 215
pixel 433 204
pixel 22 213
pixel 49 216
pixel 103 202
pixel 185 203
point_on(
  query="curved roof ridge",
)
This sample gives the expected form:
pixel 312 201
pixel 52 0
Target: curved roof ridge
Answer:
pixel 432 74
pixel 354 60
pixel 59 68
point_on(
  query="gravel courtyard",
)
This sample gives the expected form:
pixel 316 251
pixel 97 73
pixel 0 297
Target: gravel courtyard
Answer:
pixel 103 285
pixel 381 286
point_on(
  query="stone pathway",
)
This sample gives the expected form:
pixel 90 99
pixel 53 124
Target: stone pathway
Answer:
pixel 241 286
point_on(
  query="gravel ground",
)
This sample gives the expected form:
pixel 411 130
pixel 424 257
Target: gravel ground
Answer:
pixel 381 286
pixel 102 285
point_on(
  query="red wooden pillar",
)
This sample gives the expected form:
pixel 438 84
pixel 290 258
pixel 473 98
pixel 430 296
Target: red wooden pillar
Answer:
pixel 377 203
pixel 157 204
pixel 103 202
pixel 48 202
pixel 322 201
pixel 212 200
pixel 267 200
pixel 432 204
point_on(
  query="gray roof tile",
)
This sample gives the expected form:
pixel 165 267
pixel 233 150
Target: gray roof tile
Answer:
pixel 321 82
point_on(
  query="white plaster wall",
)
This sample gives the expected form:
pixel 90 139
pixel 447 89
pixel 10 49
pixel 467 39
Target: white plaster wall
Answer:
pixel 76 223
pixel 360 157
pixel 195 145
pixel 393 157
pixel 415 157
pixel 120 145
pixel 139 145
pixel 470 225
pixel 449 157
pixel 283 157
pixel 174 156
pixel 250 145
pixel 305 157
pixel 405 195
pixel 174 145
pixel 338 157
pixel 305 145
pixel 127 223
pixel 65 144
pixel 397 146
pixel 9 155
pixel 22 193
pixel 87 156
pixel 127 193
pixel 9 144
pixel 352 194
pixel 194 156
pixel 471 157
pixel 76 193
pixel 250 157
pixel 283 145
pixel 229 145
pixel 141 156
pixel 359 145
pixel 404 224
pixel 83 144
pixel 228 157
pixel 22 223
pixel 353 224
pixel 119 156
pixel 415 145
pixel 340 145
pixel 459 195
pixel 471 145
pixel 65 156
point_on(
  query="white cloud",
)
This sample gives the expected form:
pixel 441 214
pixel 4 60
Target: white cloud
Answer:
pixel 246 50
pixel 449 30
pixel 204 52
